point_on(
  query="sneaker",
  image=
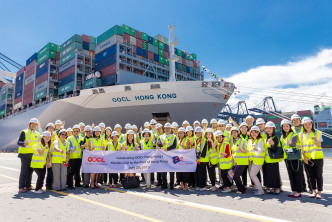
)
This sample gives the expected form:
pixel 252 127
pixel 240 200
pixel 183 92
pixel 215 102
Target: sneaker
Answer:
pixel 226 191
pixel 214 188
pixel 197 188
pixel 43 190
pixel 201 189
pixel 37 191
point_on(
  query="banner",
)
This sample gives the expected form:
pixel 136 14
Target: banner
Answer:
pixel 140 161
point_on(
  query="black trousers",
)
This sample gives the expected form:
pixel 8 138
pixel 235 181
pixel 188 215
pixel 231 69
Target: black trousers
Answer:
pixel 271 175
pixel 316 174
pixel 200 175
pixel 152 177
pixel 40 177
pixel 295 174
pixel 237 178
pixel 183 177
pixel 74 168
pixel 212 173
pixel 49 178
pixel 159 178
pixel 102 178
pixel 164 179
pixel 114 177
pixel 192 179
pixel 226 182
pixel 245 176
pixel 26 171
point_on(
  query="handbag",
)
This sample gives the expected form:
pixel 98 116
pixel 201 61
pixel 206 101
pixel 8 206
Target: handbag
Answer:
pixel 130 182
pixel 295 154
pixel 278 154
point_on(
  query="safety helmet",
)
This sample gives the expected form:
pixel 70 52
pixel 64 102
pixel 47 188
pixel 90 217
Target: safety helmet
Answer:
pixel 108 128
pixel 114 133
pixel 81 124
pixel 69 130
pixel 153 121
pixel 174 125
pixel 58 122
pixel 76 127
pixel 270 124
pixel 146 131
pixel 146 124
pixel 218 133
pixel 260 121
pixel 33 120
pixel 295 116
pixel 117 126
pixel 285 121
pixel 130 132
pixel 205 121
pixel 50 125
pixel 213 121
pixel 189 128
pixel 208 130
pixel 235 128
pixel 306 120
pixel 96 129
pixel 198 129
pixel 167 125
pixel 128 126
pixel 87 128
pixel 181 129
pixel 197 122
pixel 221 122
pixel 249 117
pixel 133 126
pixel 46 133
pixel 244 124
pixel 62 131
pixel 159 125
pixel 185 122
pixel 254 128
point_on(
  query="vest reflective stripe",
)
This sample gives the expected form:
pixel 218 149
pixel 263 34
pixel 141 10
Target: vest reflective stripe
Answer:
pixel 168 140
pixel 97 144
pixel 285 146
pixel 147 146
pixel 131 147
pixel 225 163
pixel 241 159
pixel 199 148
pixel 57 157
pixel 110 146
pixel 38 160
pixel 256 159
pixel 33 139
pixel 311 151
pixel 182 142
pixel 76 153
pixel 213 154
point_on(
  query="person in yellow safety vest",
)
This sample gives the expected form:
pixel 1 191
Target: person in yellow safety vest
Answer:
pixel 311 140
pixel 50 127
pixel 82 132
pixel 58 126
pixel 205 125
pixel 86 139
pixel 96 143
pixel 153 124
pixel 202 156
pixel 69 132
pixel 102 128
pixel 228 128
pixel 222 129
pixel 191 140
pixel 240 159
pixel 185 124
pixel 130 145
pixel 271 173
pixel 147 144
pixel 244 135
pixel 213 157
pixel 75 158
pixel 157 139
pixel 196 124
pixel 137 137
pixel 250 121
pixel 118 128
pixel 256 150
pixel 107 136
pixel 27 140
pixel 175 129
pixel 40 158
pixel 297 126
pixel 113 145
pixel 102 179
pixel 60 157
pixel 214 125
pixel 225 160
pixel 290 141
pixel 261 125
pixel 182 143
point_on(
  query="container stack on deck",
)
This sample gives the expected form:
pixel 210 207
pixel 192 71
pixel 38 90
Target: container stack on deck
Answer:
pixel 6 99
pixel 19 86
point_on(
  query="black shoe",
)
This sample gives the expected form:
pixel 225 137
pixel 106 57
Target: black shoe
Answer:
pixel 158 184
pixel 79 185
pixel 86 186
pixel 163 187
pixel 48 188
pixel 72 188
pixel 171 187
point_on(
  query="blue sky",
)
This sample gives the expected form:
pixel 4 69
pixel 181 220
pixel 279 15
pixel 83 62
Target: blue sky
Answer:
pixel 228 36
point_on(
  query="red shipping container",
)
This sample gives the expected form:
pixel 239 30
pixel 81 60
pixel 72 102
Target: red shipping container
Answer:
pixel 150 55
pixel 66 73
pixel 85 38
pixel 30 70
pixel 27 100
pixel 138 34
pixel 109 70
pixel 166 55
pixel 126 38
pixel 57 56
pixel 139 43
pixel 42 78
pixel 184 61
pixel 195 63
pixel 17 100
pixel 2 84
pixel 134 50
pixel 304 113
pixel 20 71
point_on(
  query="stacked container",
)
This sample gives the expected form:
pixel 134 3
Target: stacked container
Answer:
pixel 6 99
pixel 19 85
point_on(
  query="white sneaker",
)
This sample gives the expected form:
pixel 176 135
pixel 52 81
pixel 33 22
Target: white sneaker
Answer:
pixel 43 190
pixel 37 191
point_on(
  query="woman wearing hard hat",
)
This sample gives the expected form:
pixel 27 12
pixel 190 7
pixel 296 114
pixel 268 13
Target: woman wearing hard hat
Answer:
pixel 50 127
pixel 147 144
pixel 256 149
pixel 60 157
pixel 271 171
pixel 205 125
pixel 40 158
pixel 244 135
pixel 26 142
pixel 113 145
pixel 311 140
pixel 182 143
pixel 190 137
pixel 130 145
pixel 85 143
pixel 290 141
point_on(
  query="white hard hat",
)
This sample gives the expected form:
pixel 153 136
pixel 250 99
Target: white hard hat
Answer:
pixel 260 121
pixel 146 131
pixel 205 121
pixel 185 122
pixel 249 117
pixel 114 133
pixel 108 128
pixel 117 126
pixel 102 125
pixel 285 121
pixel 254 128
pixel 295 116
pixel 50 124
pixel 146 124
pixel 218 133
pixel 128 126
pixel 189 128
pixel 62 131
pixel 76 127
pixel 153 121
pixel 47 133
pixel 213 121
pixel 244 124
pixel 175 125
pixel 130 132
pixel 58 122
pixel 197 122
pixel 235 128
pixel 221 122
pixel 181 129
pixel 33 120
pixel 69 130
pixel 198 129
pixel 270 124
pixel 133 126
pixel 96 128
pixel 306 120
pixel 159 125
pixel 228 125
pixel 87 128
pixel 81 124
pixel 208 130
pixel 167 125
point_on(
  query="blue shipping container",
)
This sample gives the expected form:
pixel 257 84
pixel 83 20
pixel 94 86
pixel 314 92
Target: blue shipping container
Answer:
pixel 42 67
pixel 106 53
pixel 39 74
pixel 175 51
pixel 3 107
pixel 139 51
pixel 187 69
pixel 106 62
pixel 109 80
pixel 30 60
pixel 150 40
pixel 66 80
pixel 166 47
pixel 176 65
pixel 155 57
pixel 86 46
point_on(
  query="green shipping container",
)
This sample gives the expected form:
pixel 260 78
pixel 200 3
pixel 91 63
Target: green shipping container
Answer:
pixel 92 40
pixel 150 47
pixel 40 94
pixel 66 88
pixel 2 112
pixel 161 52
pixel 155 50
pixel 89 83
pixel 3 95
pixel 115 30
pixel 126 29
pixel 191 70
pixel 67 58
pixel 74 38
pixel 92 47
pixel 155 42
pixel 47 55
pixel 272 117
pixel 48 47
pixel 167 62
pixel 132 32
pixel 194 56
pixel 145 36
pixel 144 46
pixel 179 52
pixel 161 45
pixel 73 46
pixel 161 60
pixel 58 48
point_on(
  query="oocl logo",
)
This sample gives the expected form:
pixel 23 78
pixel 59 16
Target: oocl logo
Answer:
pixel 96 159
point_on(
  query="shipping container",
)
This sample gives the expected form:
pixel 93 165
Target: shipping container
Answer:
pixel 139 43
pixel 41 86
pixel 109 80
pixel 66 88
pixel 109 70
pixel 66 73
pixel 48 47
pixel 106 53
pixel 132 40
pixel 115 30
pixel 150 40
pixel 166 48
pixel 30 70
pixel 126 37
pixel 151 47
pixel 29 79
pixel 134 50
pixel 27 100
pixel 132 32
pixel 145 53
pixel 106 62
pixel 86 45
pixel 150 55
pixel 107 43
pixel 144 45
pixel 156 57
pixel 67 65
pixel 41 94
pixel 47 55
pixel 304 113
pixel 42 67
pixel 92 47
pixel 166 55
pixel 66 80
pixel 145 37
pixel 139 51
pixel 67 58
pixel 161 45
pixel 161 52
pixel 126 29
pixel 42 78
pixel 90 83
pixel 138 35
pixel 155 50
pixel 85 38
pixel 72 47
pixel 33 57
pixel 93 40
pixel 74 38
pixel 18 100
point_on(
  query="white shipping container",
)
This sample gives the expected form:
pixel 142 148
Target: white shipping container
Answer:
pixel 67 65
pixel 187 63
pixel 106 44
pixel 41 86
pixel 17 105
pixel 132 40
pixel 29 79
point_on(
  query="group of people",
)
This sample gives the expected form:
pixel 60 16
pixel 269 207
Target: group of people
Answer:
pixel 228 151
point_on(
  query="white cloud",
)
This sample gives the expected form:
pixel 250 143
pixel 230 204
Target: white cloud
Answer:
pixel 286 83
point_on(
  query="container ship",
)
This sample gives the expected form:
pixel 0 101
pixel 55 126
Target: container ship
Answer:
pixel 123 75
